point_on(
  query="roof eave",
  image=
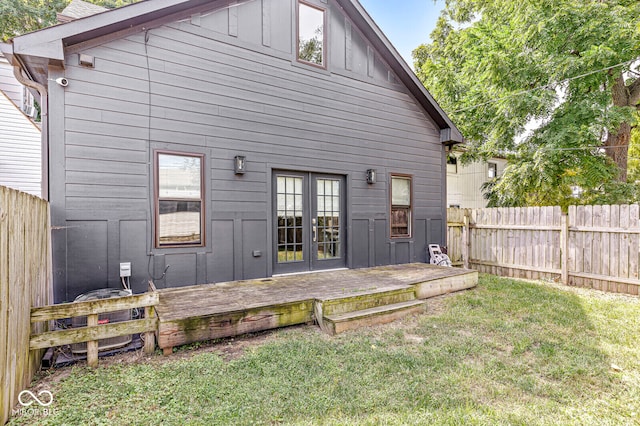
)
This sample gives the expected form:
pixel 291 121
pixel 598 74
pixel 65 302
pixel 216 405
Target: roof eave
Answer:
pixel 46 42
pixel 46 47
pixel 6 49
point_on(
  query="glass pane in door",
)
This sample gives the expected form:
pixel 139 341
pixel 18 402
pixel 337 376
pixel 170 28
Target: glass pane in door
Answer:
pixel 290 203
pixel 328 219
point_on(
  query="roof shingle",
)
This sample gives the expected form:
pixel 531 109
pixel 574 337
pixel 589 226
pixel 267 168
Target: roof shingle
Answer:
pixel 79 9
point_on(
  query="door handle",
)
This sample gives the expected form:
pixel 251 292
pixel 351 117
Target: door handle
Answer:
pixel 314 231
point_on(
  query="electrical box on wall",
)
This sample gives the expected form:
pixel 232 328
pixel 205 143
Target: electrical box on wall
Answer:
pixel 125 269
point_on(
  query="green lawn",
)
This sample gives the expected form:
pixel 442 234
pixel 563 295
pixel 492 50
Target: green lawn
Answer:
pixel 508 352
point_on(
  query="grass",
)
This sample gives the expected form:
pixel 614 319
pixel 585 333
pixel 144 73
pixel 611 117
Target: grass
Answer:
pixel 508 352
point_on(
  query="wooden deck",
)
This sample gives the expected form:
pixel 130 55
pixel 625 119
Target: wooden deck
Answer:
pixel 209 311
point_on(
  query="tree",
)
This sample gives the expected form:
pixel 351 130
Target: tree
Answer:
pixel 634 157
pixel 23 16
pixel 311 50
pixel 566 68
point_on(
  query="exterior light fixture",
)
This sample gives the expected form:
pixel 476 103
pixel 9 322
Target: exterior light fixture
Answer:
pixel 371 176
pixel 240 164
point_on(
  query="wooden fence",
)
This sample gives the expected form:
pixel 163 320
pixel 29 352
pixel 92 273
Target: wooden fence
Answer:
pixel 25 281
pixel 457 223
pixel 591 246
pixel 94 331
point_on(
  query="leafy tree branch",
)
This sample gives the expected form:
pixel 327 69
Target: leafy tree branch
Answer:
pixel 541 82
pixel 23 16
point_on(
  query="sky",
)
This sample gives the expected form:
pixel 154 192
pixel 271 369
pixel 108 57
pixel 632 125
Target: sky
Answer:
pixel 406 23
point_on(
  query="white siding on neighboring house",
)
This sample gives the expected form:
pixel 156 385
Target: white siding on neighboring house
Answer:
pixel 15 91
pixel 464 182
pixel 20 166
pixel 8 83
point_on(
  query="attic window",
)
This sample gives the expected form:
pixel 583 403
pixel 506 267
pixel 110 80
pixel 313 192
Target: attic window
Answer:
pixel 311 35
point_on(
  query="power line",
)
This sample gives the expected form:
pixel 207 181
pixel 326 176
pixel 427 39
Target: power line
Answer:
pixel 546 86
pixel 581 147
pixel 603 147
pixel 584 147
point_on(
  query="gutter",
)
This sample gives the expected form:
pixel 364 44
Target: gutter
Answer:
pixel 18 68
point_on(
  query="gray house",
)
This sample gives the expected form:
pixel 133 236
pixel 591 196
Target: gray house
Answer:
pixel 209 141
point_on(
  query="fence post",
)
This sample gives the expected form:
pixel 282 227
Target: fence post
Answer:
pixel 466 241
pixel 564 248
pixel 150 336
pixel 92 345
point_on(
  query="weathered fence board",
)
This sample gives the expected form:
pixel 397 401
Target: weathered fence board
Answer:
pixel 455 227
pixel 634 241
pixel 515 242
pixel 100 306
pixel 591 246
pixel 93 331
pixel 25 281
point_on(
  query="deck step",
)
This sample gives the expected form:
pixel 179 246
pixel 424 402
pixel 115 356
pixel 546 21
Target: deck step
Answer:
pixel 338 323
pixel 446 285
pixel 368 298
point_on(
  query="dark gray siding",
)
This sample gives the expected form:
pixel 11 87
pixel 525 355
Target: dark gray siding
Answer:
pixel 226 83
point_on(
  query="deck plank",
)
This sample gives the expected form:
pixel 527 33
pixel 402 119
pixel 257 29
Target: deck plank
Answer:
pixel 206 311
pixel 207 299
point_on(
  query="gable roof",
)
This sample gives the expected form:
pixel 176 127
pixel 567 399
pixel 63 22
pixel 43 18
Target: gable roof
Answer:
pixel 41 48
pixel 79 9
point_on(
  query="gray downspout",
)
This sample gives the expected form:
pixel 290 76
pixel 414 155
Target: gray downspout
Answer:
pixel 44 117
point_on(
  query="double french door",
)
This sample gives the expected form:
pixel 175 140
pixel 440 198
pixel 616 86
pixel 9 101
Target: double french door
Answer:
pixel 309 228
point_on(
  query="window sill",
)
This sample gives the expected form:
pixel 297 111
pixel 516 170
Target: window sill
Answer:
pixel 401 238
pixel 180 250
pixel 311 67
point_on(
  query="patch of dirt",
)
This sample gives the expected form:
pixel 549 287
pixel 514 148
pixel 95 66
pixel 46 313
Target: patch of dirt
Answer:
pixel 228 349
pixel 466 333
pixel 412 338
pixel 437 305
pixel 234 347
